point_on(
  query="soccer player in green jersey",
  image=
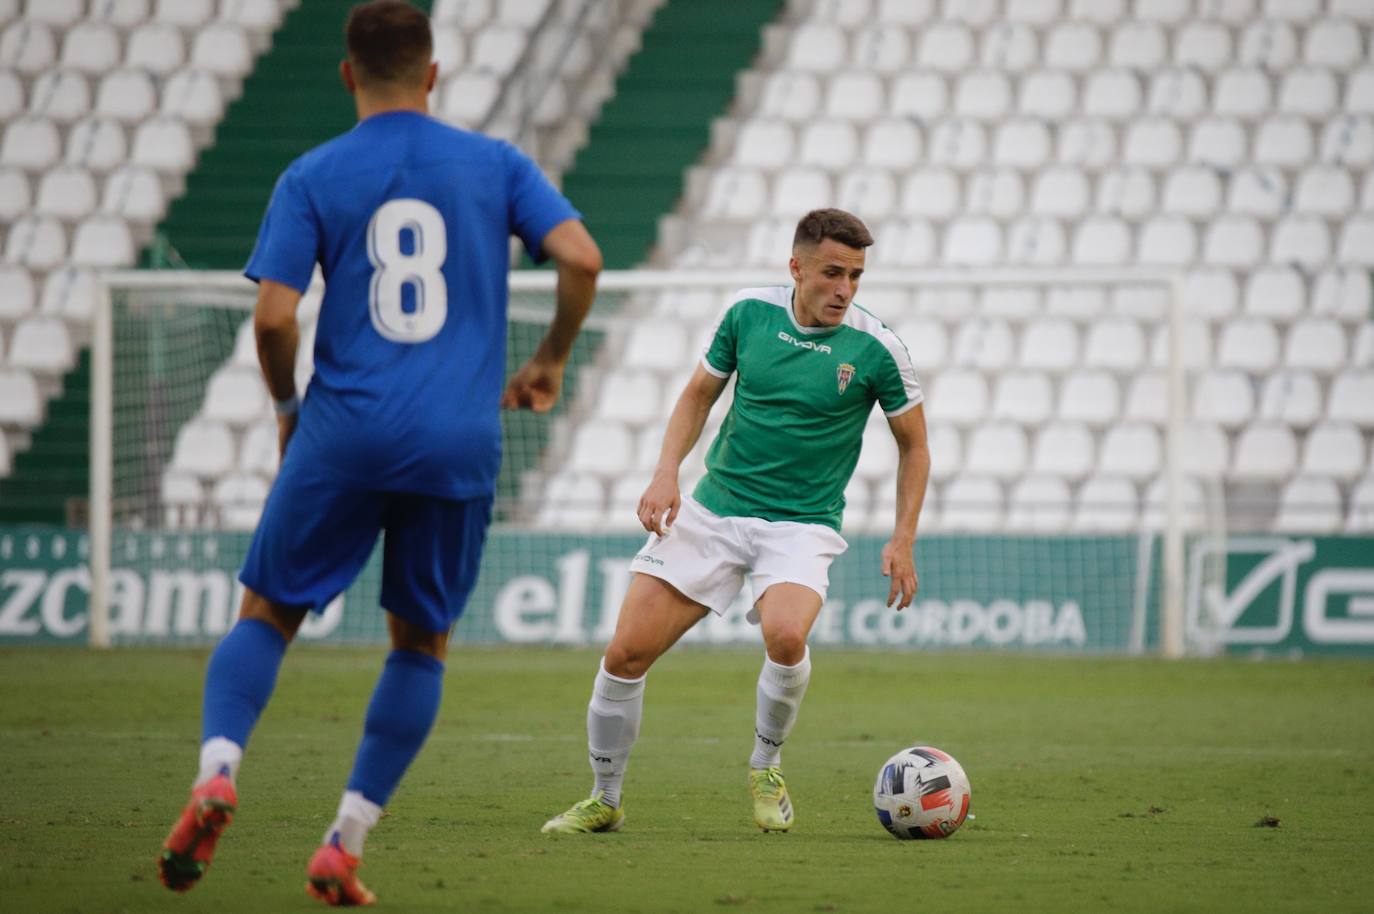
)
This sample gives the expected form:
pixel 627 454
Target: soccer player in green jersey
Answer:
pixel 810 365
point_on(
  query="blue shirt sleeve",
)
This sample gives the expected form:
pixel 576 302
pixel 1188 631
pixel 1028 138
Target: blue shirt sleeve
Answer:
pixel 289 239
pixel 535 205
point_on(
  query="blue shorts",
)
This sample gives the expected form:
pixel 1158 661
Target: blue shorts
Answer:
pixel 317 533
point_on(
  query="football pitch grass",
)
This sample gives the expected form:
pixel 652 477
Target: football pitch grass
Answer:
pixel 1098 784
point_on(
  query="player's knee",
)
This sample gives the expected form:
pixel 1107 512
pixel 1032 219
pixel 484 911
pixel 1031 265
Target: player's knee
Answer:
pixel 284 619
pixel 787 646
pixel 626 662
pixel 407 636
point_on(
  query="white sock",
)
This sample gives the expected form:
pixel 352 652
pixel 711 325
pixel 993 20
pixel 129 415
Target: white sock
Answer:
pixel 612 727
pixel 357 816
pixel 779 699
pixel 219 755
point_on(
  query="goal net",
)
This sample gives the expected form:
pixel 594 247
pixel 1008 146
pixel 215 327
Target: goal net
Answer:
pixel 1055 409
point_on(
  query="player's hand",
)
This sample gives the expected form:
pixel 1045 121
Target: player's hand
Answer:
pixel 659 504
pixel 900 566
pixel 286 427
pixel 535 386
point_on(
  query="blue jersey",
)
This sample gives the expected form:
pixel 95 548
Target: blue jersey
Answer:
pixel 410 221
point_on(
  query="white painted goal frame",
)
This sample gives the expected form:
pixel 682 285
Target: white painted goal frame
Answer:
pixel 227 286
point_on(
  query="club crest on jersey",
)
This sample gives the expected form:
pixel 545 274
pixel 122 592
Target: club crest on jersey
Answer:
pixel 844 374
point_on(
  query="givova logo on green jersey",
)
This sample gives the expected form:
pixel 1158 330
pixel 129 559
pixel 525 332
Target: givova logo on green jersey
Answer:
pixel 802 344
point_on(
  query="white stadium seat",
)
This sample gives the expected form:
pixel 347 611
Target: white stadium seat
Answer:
pixel 1089 143
pixel 946 450
pixel 1316 344
pixel 11 95
pixel 468 98
pixel 1357 242
pixel 163 144
pixel 792 96
pixel 1333 43
pixel 931 193
pixel 959 144
pixel 69 293
pixel 96 143
pixel 157 47
pixel 893 144
pixel 1049 344
pixel 1233 241
pixel 1192 501
pixel 1242 93
pixel 30 143
pixel 1303 240
pixel 1309 92
pixel 817 47
pixel 1101 241
pixel 235 396
pixel 1325 191
pixel 1203 45
pixel 1278 293
pixel 1080 303
pixel 1249 344
pixel 735 193
pixel 497 49
pixel 17 294
pixel 222 49
pixel 1090 397
pixel 1218 141
pixel 183 500
pixel 1106 504
pixel 630 397
pixel 1343 294
pixel 763 143
pixel 998 450
pixel 1265 452
pixel 1361 517
pixel 944 46
pixel 1309 505
pixel 1115 344
pixel 601 448
pixel 135 194
pixel 67 193
pixel 1025 397
pixel 1167 241
pixel 1036 240
pixel 973 242
pixel 983 95
pixel 126 95
pixel 1224 398
pixel 60 95
pixel 971 503
pixel 238 498
pixel 959 397
pixel 1132 451
pixel 1138 46
pixel 871 193
pixel 1061 192
pixel 878 455
pixel 27 47
pixel 1147 399
pixel 42 345
pixel 1039 504
pixel 854 97
pixel 467 14
pixel 1197 345
pixel 1047 94
pixel 1009 46
pixel 1064 449
pixel 572 501
pixel 1258 191
pixel 102 241
pixel 1022 143
pixel 1284 141
pixel 1036 12
pixel 1128 192
pixel 926 341
pixel 797 191
pixel 1205 451
pixel 37 242
pixel 1335 449
pixel 880 48
pixel 1152 143
pixel 1192 191
pixel 1177 93
pixel 260 451
pixel 922 96
pixel 60 13
pixel 21 404
pixel 523 13
pixel 1101 12
pixel 1359 91
pixel 1351 398
pixel 1072 46
pixel 1291 397
pixel 1354 10
pixel 1211 293
pixel 829 144
pixel 1269 44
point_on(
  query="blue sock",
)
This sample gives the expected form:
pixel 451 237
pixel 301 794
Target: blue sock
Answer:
pixel 403 709
pixel 239 680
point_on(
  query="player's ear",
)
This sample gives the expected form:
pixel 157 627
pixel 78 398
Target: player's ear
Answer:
pixel 431 76
pixel 346 75
pixel 794 266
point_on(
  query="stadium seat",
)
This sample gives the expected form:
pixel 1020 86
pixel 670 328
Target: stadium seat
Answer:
pixel 102 241
pixel 854 96
pixel 914 245
pixel 1276 293
pixel 970 503
pixel 1039 504
pixel 1291 397
pixel 1101 241
pixel 623 504
pixel 1088 143
pixel 184 14
pixel 1152 142
pixel 878 456
pixel 1225 398
pixel 27 47
pixel 736 194
pixel 1220 142
pixel 1233 241
pixel 497 49
pixel 1009 46
pixel 183 501
pixel 792 96
pixel 127 96
pixel 1333 43
pixel 983 95
pixel 1080 303
pixel 1072 46
pixel 1197 346
pixel 1024 397
pixel 21 404
pixel 880 48
pixel 1090 397
pixel 1132 451
pixel 1203 45
pixel 1250 344
pixel 1309 505
pixel 1177 93
pixel 1335 449
pixel 1022 143
pixel 1065 450
pixel 927 343
pixel 135 194
pixel 69 293
pixel 1047 94
pixel 42 345
pixel 631 397
pixel 1210 293
pixel 59 13
pixel 96 143
pixel 573 502
pixel 763 143
pixel 1128 192
pixel 972 242
pixel 1139 46
pixel 37 242
pixel 222 49
pixel 1359 91
pixel 1147 399
pixel 1269 44
pixel 156 47
pixel 892 144
pixel 1049 344
pixel 1060 192
pixel 817 47
pixel 67 193
pixel 1167 241
pixel 468 98
pixel 258 16
pixel 523 13
pixel 959 397
pixel 450 52
pixel 1354 10
pixel 238 500
pixel 1308 92
pixel 1258 191
pixel 203 449
pixel 1265 452
pixel 931 193
pixel 946 47
pixel 1192 502
pixel 871 193
pixel 16 295
pixel 998 450
pixel 1316 344
pixel 30 143
pixel 163 144
pixel 1361 516
pixel 11 95
pixel 466 14
pixel 235 396
pixel 16 197
pixel 260 451
pixel 1325 191
pixel 1192 191
pixel 1357 242
pixel 1303 240
pixel 829 144
pixel 797 191
pixel 958 144
pixel 60 95
pixel 1037 241
pixel 1348 140
pixel 1362 350
pixel 1106 504
pixel 1115 344
pixel 601 448
pixel 1242 93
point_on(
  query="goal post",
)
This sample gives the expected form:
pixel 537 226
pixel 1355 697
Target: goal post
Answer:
pixel 151 321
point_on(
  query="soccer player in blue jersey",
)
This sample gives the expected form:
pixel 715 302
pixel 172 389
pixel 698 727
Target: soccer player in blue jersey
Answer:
pixel 409 220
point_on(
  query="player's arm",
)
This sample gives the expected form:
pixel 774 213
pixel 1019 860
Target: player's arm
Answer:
pixel 278 337
pixel 664 495
pixel 913 472
pixel 538 382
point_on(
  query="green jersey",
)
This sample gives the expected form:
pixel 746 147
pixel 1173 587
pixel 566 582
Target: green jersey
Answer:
pixel 802 398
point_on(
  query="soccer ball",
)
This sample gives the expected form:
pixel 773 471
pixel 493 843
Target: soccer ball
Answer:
pixel 921 792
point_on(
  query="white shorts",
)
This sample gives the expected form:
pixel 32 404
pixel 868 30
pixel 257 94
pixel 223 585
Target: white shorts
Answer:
pixel 707 557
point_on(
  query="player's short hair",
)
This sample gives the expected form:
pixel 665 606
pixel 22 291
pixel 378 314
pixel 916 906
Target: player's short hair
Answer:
pixel 388 41
pixel 820 224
